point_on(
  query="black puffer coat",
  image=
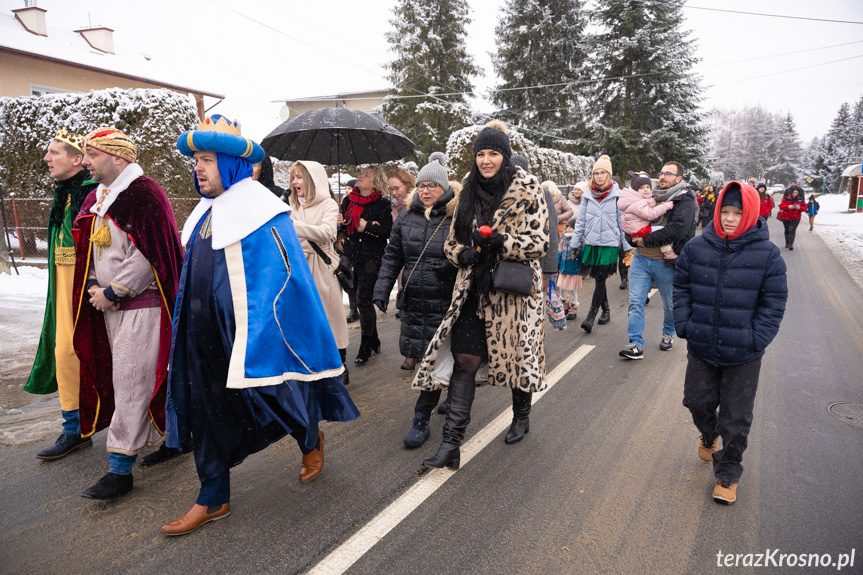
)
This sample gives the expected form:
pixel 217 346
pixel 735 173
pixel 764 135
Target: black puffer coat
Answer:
pixel 429 292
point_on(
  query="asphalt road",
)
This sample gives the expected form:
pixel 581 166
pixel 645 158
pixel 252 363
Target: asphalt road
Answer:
pixel 607 480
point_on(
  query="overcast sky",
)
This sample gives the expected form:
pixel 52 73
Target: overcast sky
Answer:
pixel 257 51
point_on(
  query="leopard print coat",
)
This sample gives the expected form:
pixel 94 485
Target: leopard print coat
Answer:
pixel 513 324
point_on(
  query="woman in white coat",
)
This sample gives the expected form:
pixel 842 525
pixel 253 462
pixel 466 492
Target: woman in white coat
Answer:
pixel 315 213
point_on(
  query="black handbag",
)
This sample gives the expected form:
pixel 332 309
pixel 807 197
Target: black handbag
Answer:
pixel 343 271
pixel 400 297
pixel 512 277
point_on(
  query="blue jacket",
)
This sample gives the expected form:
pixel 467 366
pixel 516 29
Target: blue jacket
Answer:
pixel 812 208
pixel 273 324
pixel 729 295
pixel 598 223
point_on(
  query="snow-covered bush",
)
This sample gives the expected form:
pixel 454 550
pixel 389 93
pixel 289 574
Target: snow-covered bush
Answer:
pixel 545 163
pixel 152 118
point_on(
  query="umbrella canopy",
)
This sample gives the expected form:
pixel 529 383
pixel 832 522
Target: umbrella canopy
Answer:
pixel 335 136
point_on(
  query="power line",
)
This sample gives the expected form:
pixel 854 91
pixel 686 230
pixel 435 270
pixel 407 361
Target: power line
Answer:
pixel 785 16
pixel 779 55
pixel 774 15
pixel 787 71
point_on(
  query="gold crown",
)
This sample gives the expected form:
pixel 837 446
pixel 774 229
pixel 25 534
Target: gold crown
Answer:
pixel 221 125
pixel 74 140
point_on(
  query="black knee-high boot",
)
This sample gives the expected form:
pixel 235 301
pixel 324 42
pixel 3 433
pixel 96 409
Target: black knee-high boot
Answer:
pixel 461 394
pixel 346 378
pixel 521 402
pixel 605 316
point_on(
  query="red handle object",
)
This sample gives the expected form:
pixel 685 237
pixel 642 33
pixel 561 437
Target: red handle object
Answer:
pixel 485 230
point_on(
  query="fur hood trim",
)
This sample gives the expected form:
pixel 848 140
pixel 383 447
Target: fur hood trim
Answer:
pixel 450 206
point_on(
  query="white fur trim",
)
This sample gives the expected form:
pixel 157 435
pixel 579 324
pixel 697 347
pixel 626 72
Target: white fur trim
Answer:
pixel 239 211
pixel 129 174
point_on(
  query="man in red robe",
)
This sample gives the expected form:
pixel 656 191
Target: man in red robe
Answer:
pixel 128 258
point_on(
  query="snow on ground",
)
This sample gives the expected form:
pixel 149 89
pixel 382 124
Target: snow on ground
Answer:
pixel 841 230
pixel 24 418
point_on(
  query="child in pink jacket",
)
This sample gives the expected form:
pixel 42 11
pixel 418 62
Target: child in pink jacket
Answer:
pixel 639 209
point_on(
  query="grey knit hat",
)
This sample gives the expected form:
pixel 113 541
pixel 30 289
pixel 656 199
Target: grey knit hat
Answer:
pixel 434 171
pixel 521 162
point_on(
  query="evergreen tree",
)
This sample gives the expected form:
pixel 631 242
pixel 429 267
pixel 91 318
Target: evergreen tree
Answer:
pixel 839 143
pixel 817 165
pixel 542 42
pixel 645 100
pixel 428 40
pixel 788 153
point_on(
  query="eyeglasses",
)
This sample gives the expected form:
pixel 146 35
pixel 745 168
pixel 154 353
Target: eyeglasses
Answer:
pixel 667 174
pixel 394 190
pixel 424 187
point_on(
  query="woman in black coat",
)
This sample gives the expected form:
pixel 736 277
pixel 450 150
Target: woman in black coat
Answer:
pixel 417 245
pixel 367 215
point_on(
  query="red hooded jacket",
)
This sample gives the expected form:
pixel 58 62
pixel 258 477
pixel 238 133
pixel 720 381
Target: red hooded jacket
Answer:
pixel 787 212
pixel 751 204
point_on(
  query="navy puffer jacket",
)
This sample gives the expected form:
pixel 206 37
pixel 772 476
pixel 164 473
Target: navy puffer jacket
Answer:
pixel 729 295
pixel 429 292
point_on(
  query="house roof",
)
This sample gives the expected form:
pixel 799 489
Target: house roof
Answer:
pixel 364 94
pixel 69 47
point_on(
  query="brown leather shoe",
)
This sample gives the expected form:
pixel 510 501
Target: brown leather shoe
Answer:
pixel 725 492
pixel 313 463
pixel 409 364
pixel 196 517
pixel 705 452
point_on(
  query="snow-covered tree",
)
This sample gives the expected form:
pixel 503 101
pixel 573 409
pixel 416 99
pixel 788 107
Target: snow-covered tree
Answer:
pixel 754 143
pixel 153 119
pixel 840 143
pixel 787 154
pixel 542 42
pixel 818 165
pixel 645 99
pixel 429 41
pixel 546 164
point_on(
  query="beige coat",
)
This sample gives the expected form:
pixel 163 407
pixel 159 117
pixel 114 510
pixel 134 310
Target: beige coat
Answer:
pixel 317 221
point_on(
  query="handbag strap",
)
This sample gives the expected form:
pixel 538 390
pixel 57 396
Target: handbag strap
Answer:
pixel 422 253
pixel 320 252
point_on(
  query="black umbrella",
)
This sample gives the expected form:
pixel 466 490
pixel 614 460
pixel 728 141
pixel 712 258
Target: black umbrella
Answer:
pixel 336 136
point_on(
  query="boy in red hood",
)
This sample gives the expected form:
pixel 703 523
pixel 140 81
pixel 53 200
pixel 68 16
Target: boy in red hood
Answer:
pixel 730 291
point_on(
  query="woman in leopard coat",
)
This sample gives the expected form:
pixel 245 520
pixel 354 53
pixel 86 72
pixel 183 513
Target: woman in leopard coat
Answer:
pixel 482 324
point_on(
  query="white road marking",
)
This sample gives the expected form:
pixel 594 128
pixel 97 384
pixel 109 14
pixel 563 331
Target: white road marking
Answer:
pixel 349 552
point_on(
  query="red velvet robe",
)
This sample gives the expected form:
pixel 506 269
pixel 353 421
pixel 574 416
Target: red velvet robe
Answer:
pixel 143 211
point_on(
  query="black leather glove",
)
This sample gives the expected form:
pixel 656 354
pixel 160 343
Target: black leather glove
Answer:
pixel 468 257
pixel 495 242
pixel 381 304
pixel 492 243
pixel 479 240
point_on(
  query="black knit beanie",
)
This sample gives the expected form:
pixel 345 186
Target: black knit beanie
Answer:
pixel 638 180
pixel 493 137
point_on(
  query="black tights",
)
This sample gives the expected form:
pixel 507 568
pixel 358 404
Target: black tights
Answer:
pixel 465 366
pixel 600 295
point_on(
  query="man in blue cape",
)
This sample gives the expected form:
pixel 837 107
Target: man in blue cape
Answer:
pixel 252 357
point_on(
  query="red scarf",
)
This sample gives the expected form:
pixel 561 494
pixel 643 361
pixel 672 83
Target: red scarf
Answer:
pixel 599 193
pixel 358 202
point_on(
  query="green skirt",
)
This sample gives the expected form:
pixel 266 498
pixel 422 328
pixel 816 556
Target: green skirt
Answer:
pixel 599 261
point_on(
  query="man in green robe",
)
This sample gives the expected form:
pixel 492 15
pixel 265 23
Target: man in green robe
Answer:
pixel 56 367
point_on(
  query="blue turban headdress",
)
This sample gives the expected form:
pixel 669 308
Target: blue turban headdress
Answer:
pixel 234 153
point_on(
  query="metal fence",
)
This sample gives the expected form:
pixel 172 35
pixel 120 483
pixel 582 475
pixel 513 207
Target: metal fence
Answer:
pixel 27 225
